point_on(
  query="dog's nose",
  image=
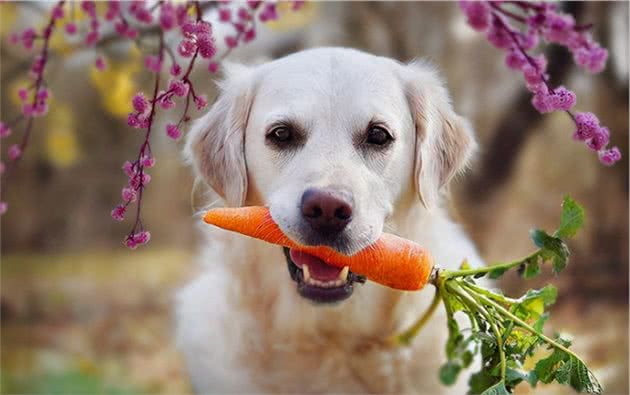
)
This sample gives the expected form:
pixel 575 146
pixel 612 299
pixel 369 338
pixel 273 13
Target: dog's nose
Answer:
pixel 327 210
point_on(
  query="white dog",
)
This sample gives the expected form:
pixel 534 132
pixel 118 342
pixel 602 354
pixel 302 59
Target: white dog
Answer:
pixel 341 146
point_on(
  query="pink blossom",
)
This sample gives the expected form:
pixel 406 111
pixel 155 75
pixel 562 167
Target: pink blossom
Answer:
pixel 529 39
pixel 128 195
pixel 57 12
pixel 168 18
pixel 558 27
pixel 231 42
pixel 186 48
pixel 225 14
pixel 477 14
pixel 213 67
pixel 297 4
pixel 497 35
pixel 5 130
pixel 178 87
pixel 270 13
pixel 14 152
pixel 587 124
pixel 28 37
pixel 562 99
pixel 599 139
pixel 3 207
pixel 243 14
pixel 250 34
pixel 128 168
pixel 172 131
pixel 147 161
pixel 38 64
pixel 23 94
pixel 91 38
pixel 113 10
pixel 27 110
pixel 153 63
pixel 206 46
pixel 610 156
pixel 43 94
pixel 175 69
pixel 515 59
pixel 140 103
pixel 166 102
pixel 201 101
pixel 137 121
pixel 143 237
pixel 253 3
pixel 89 7
pixel 139 180
pixel 593 59
pixel 121 27
pixel 130 242
pixel 99 63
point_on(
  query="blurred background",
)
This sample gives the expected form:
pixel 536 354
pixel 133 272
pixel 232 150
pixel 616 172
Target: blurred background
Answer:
pixel 82 314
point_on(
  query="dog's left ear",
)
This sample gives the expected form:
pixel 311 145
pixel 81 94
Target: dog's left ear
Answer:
pixel 444 141
pixel 216 142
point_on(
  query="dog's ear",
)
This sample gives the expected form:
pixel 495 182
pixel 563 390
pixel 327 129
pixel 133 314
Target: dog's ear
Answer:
pixel 444 141
pixel 216 142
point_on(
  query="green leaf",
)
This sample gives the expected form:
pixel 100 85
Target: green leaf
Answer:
pixel 532 268
pixel 552 248
pixel 558 264
pixel 583 380
pixel 563 374
pixel 497 389
pixel 571 220
pixel 546 368
pixel 481 381
pixel 449 372
pixel 496 273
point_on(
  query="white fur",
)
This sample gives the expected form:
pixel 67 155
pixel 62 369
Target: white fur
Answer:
pixel 241 324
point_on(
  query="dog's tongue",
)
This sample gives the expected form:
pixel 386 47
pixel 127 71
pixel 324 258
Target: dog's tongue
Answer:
pixel 316 267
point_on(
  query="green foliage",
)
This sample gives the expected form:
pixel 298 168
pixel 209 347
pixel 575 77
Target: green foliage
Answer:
pixel 68 382
pixel 506 331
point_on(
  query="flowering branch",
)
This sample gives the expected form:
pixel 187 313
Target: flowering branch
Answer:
pixel 543 20
pixel 130 21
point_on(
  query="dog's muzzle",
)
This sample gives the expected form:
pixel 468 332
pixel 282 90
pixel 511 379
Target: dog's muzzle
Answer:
pixel 318 281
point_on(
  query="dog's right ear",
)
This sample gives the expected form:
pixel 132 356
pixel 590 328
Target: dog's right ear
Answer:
pixel 216 142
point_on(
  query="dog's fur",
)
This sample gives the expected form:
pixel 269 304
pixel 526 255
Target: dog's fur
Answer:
pixel 241 324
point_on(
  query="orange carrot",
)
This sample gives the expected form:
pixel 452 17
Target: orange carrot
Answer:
pixel 391 260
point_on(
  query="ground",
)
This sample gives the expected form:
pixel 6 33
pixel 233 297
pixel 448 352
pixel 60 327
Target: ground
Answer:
pixel 102 323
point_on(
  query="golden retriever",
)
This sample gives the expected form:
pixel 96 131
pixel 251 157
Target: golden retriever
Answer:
pixel 341 146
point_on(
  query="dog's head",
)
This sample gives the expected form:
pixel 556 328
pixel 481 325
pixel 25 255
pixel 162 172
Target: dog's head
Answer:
pixel 331 140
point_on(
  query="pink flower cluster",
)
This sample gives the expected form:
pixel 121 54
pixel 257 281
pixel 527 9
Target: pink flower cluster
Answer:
pixel 197 39
pixel 131 20
pixel 544 21
pixel 596 137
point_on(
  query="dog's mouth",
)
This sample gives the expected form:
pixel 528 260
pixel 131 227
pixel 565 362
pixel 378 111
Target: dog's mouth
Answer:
pixel 318 281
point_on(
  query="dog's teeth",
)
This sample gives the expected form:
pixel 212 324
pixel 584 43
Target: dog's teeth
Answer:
pixel 307 275
pixel 343 275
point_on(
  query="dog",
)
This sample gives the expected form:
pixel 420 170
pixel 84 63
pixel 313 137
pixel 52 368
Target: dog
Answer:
pixel 341 145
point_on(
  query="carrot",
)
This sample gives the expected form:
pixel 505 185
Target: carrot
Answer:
pixel 391 260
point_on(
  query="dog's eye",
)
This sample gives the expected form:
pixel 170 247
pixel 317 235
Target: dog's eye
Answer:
pixel 280 135
pixel 377 135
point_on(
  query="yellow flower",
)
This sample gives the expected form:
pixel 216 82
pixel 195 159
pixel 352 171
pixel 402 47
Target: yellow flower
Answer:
pixel 8 12
pixel 61 141
pixel 116 86
pixel 292 20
